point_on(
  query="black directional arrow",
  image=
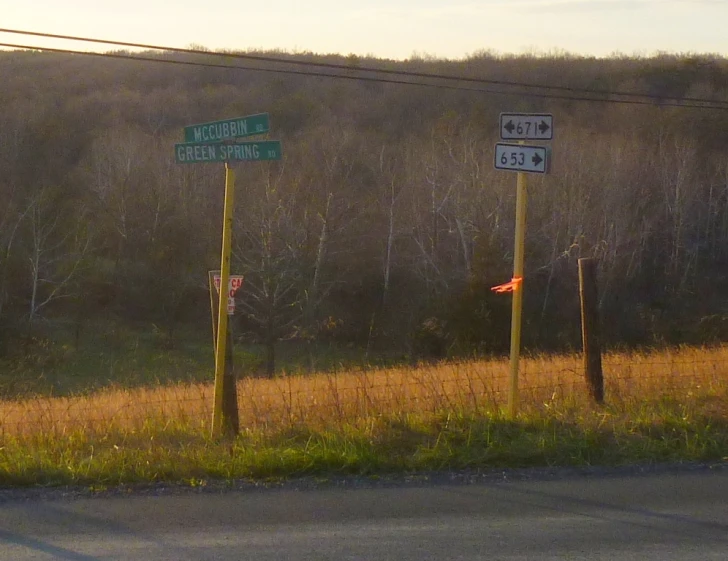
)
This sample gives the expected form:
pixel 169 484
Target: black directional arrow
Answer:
pixel 543 127
pixel 510 127
pixel 536 160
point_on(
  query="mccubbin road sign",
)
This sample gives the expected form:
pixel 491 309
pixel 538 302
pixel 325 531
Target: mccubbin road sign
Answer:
pixel 518 157
pixel 229 128
pixel 200 152
pixel 526 126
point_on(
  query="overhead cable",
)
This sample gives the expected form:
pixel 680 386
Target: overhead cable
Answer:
pixel 702 104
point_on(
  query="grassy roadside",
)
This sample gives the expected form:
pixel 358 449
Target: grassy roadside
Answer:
pixel 659 408
pixel 413 443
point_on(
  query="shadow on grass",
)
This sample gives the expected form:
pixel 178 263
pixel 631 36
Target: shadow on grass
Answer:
pixel 450 443
pixel 400 443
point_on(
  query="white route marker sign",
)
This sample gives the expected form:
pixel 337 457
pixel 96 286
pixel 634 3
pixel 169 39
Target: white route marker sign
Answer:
pixel 526 126
pixel 234 282
pixel 518 157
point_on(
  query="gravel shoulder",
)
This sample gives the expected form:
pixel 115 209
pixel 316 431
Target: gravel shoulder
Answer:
pixel 462 477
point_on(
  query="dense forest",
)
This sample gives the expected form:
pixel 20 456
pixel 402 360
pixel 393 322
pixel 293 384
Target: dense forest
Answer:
pixel 385 224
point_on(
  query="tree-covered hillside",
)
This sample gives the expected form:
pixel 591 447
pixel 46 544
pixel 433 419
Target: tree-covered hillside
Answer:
pixel 385 224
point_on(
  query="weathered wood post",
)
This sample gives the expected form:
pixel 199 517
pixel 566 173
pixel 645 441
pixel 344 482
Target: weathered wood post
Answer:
pixel 590 333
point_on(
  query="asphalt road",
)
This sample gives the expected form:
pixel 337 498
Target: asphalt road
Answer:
pixel 661 517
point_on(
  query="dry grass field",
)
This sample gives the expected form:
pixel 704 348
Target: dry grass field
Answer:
pixel 670 406
pixel 696 377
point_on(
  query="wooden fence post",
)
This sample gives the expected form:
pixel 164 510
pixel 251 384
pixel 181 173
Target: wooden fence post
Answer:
pixel 590 334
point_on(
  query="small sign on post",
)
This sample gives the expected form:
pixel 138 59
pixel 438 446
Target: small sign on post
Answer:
pixel 526 126
pixel 519 157
pixel 234 283
pixel 522 159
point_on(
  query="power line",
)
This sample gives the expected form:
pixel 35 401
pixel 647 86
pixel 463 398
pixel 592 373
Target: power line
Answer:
pixel 143 58
pixel 253 68
pixel 278 60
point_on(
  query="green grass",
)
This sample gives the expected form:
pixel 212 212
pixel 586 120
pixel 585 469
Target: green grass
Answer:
pixel 412 443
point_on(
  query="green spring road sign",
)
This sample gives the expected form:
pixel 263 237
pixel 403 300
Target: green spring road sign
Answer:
pixel 201 152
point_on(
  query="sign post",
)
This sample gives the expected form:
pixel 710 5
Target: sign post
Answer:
pixel 222 317
pixel 517 304
pixel 523 160
pixel 231 420
pixel 215 142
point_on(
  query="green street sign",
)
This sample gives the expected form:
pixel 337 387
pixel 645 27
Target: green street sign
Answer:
pixel 229 128
pixel 200 152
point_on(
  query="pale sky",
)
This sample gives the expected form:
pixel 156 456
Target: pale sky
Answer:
pixel 384 28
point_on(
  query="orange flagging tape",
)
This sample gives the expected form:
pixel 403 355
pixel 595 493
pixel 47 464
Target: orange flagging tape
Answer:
pixel 509 286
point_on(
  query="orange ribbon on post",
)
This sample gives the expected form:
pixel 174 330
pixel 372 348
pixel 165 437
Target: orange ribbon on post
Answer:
pixel 512 286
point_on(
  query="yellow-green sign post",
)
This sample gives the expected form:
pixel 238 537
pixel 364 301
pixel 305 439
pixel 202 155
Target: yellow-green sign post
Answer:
pixel 517 305
pixel 222 317
pixel 220 146
pixel 521 159
pixel 231 418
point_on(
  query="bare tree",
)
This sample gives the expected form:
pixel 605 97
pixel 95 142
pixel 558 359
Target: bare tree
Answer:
pixel 269 247
pixel 59 243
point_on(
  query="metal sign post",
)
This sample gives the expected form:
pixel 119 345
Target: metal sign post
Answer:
pixel 521 159
pixel 517 304
pixel 222 317
pixel 215 142
pixel 231 420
